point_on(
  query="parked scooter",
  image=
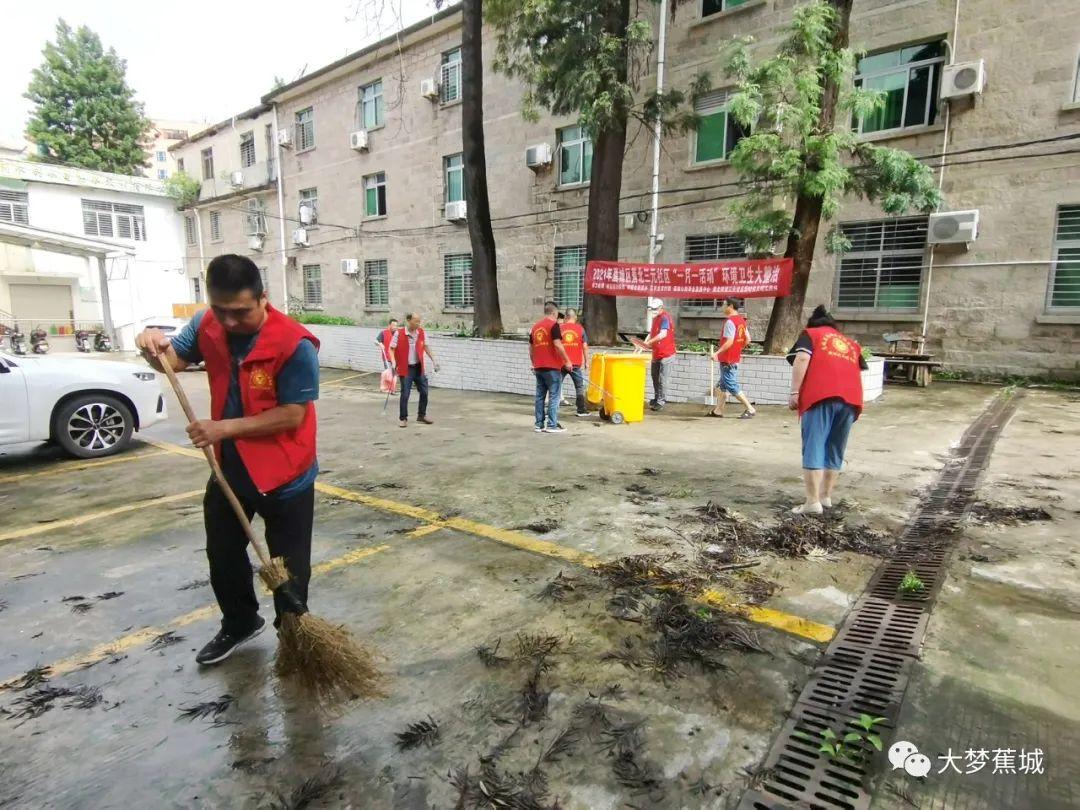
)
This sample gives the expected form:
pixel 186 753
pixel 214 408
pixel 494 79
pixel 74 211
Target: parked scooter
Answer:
pixel 18 341
pixel 39 341
pixel 102 342
pixel 82 340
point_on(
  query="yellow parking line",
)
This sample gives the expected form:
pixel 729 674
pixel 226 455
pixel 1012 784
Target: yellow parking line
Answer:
pixel 43 528
pixel 424 531
pixel 147 634
pixel 786 622
pixel 773 618
pixel 75 466
pixel 348 377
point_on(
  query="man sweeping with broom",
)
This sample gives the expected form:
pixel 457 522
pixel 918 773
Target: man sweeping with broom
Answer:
pixel 263 372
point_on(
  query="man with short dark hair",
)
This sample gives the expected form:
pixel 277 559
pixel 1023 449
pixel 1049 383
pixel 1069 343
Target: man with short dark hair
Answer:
pixel 383 338
pixel 407 349
pixel 550 362
pixel 735 336
pixel 576 343
pixel 263 371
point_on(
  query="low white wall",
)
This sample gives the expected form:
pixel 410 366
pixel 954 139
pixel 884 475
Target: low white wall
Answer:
pixel 476 364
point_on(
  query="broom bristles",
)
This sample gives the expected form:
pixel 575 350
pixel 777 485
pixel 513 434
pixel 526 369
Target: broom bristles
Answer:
pixel 275 574
pixel 326 660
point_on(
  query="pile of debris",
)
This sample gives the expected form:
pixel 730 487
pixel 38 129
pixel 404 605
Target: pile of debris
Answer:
pixel 989 514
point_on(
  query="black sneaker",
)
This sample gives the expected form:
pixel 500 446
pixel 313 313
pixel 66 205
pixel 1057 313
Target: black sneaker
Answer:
pixel 224 644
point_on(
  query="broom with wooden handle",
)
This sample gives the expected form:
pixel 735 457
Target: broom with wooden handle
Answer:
pixel 323 658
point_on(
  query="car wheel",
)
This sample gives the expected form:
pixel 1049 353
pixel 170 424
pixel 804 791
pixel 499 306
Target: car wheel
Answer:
pixel 93 425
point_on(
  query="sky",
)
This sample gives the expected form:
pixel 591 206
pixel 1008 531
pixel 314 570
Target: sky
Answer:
pixel 198 60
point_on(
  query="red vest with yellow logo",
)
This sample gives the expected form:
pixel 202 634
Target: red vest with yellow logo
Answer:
pixel 541 348
pixel 278 458
pixel 733 354
pixel 401 351
pixel 573 340
pixel 665 347
pixel 833 371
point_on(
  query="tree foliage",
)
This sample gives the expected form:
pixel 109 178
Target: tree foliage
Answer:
pixel 85 114
pixel 789 155
pixel 183 188
pixel 586 58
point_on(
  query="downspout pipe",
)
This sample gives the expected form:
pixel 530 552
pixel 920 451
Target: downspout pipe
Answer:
pixel 654 223
pixel 281 215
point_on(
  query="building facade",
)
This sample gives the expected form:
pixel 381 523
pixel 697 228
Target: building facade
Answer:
pixel 130 219
pixel 373 211
pixel 237 209
pixel 164 134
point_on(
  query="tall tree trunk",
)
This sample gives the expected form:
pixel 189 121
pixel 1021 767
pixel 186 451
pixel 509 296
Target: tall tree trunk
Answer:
pixel 487 315
pixel 786 318
pixel 601 316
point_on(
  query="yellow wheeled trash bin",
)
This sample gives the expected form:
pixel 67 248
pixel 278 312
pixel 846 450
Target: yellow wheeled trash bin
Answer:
pixel 594 393
pixel 624 387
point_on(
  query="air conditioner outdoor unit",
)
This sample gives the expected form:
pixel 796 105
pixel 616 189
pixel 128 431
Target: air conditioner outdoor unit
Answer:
pixel 350 267
pixel 629 221
pixel 455 211
pixel 538 156
pixel 429 88
pixel 237 179
pixel 255 242
pixel 284 137
pixel 963 79
pixel 358 140
pixel 953 227
pixel 299 237
pixel 307 213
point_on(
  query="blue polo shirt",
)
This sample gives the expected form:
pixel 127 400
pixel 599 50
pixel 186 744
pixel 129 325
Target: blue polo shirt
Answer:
pixel 297 383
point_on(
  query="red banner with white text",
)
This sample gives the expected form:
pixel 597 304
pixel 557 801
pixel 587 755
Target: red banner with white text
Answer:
pixel 750 278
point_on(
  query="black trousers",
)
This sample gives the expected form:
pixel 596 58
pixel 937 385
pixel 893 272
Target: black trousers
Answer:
pixel 288 535
pixel 418 377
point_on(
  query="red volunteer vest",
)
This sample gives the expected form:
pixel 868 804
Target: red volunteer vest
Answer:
pixel 573 340
pixel 541 347
pixel 387 336
pixel 280 457
pixel 401 352
pixel 833 371
pixel 666 347
pixel 733 354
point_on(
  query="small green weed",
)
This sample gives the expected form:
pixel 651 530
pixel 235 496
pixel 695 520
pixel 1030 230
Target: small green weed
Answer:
pixel 848 748
pixel 911 583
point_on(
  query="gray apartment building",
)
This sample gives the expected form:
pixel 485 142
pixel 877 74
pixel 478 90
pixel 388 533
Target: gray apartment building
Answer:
pixel 235 162
pixel 374 213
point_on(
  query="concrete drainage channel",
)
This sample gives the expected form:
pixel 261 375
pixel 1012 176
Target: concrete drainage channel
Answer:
pixel 866 668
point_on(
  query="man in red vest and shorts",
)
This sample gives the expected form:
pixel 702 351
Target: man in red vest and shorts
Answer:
pixel 382 340
pixel 735 336
pixel 826 390
pixel 263 370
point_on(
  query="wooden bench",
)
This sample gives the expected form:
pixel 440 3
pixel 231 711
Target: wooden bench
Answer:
pixel 906 358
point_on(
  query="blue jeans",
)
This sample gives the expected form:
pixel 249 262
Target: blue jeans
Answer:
pixel 825 430
pixel 579 388
pixel 729 378
pixel 415 375
pixel 548 384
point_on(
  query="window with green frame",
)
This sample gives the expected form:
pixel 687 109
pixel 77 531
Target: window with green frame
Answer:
pixel 375 195
pixel 710 7
pixel 376 283
pixel 1065 273
pixel 457 281
pixel 371 105
pixel 909 77
pixel 575 156
pixel 718 131
pixel 883 267
pixel 569 276
pixel 454 178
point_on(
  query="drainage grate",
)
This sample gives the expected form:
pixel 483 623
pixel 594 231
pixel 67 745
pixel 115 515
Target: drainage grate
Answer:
pixel 866 668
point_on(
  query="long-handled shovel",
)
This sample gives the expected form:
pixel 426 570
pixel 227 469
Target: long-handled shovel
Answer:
pixel 325 659
pixel 710 398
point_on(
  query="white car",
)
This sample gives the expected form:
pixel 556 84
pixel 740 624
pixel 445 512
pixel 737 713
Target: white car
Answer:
pixel 89 407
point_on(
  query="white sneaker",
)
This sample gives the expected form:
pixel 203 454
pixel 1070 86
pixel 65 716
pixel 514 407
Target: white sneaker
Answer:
pixel 826 503
pixel 807 509
pixel 538 430
pixel 555 429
